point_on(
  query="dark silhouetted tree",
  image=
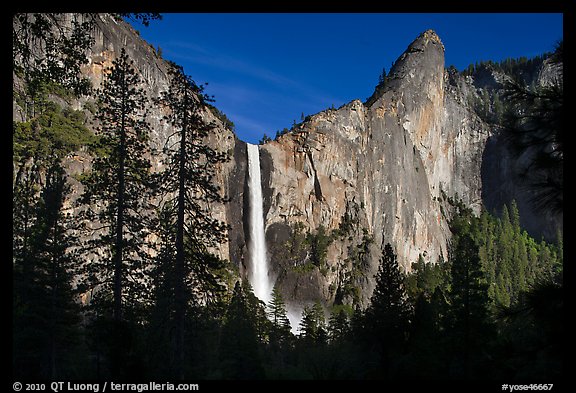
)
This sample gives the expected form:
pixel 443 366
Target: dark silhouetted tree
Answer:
pixel 382 77
pixel 531 341
pixel 280 330
pixel 338 326
pixel 389 313
pixel 190 191
pixel 46 314
pixel 312 325
pixel 265 139
pixel 239 355
pixel 116 196
pixel 470 322
pixel 143 17
pixel 51 47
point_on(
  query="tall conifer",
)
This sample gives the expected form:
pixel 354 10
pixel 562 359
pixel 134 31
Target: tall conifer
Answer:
pixel 116 200
pixel 189 193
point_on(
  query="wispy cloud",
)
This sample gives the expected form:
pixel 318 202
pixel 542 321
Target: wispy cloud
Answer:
pixel 256 98
pixel 197 54
pixel 252 130
pixel 249 123
pixel 242 95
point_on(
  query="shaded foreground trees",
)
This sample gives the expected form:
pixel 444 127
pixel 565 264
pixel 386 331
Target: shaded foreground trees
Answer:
pixel 387 318
pixel 115 197
pixel 444 328
pixel 46 317
pixel 188 191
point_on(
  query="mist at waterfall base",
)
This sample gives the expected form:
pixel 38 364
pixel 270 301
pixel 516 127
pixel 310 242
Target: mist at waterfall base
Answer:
pixel 259 276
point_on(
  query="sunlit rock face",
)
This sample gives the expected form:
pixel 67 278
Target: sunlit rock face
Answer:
pixel 384 162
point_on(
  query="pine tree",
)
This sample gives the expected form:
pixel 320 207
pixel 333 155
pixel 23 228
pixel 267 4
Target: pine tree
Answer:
pixel 382 77
pixel 190 191
pixel 46 315
pixel 257 312
pixel 54 255
pixel 239 356
pixel 280 330
pixel 312 325
pixel 357 325
pixel 116 200
pixel 424 337
pixel 469 302
pixel 24 199
pixel 338 326
pixel 389 313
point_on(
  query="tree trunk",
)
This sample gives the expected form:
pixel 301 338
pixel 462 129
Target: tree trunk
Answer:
pixel 119 244
pixel 179 271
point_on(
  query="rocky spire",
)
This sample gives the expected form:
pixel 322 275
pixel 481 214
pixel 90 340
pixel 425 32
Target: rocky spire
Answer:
pixel 421 64
pixel 425 53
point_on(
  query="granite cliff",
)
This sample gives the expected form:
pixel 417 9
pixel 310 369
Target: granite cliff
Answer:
pixel 385 166
pixel 344 180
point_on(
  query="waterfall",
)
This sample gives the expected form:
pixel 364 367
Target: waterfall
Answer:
pixel 259 278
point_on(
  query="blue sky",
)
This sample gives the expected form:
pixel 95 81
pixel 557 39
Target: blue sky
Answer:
pixel 266 70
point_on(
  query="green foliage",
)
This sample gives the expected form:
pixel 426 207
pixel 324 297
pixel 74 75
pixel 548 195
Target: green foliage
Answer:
pixel 228 124
pixel 493 310
pixel 116 199
pixel 389 312
pixel 358 258
pixel 425 278
pixel 469 287
pixel 188 189
pixel 115 191
pixel 350 220
pixel 534 128
pixel 382 77
pixel 143 17
pixel 239 357
pixel 191 167
pixel 511 259
pixel 338 325
pixel 529 117
pixel 305 252
pixel 531 334
pixel 280 133
pixel 50 130
pixel 313 325
pixel 46 318
pixel 382 330
pixel 280 329
pixel 319 243
pixel 54 132
pixel 265 139
pixel 295 247
pixel 515 67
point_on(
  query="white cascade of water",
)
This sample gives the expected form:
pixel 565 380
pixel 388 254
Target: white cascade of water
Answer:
pixel 259 277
